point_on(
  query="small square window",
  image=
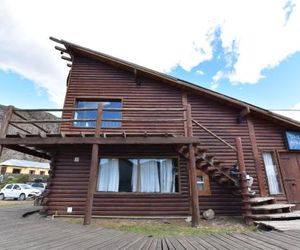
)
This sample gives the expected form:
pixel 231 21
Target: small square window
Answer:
pixel 203 185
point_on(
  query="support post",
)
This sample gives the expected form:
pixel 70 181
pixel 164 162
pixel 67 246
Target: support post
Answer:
pixel 243 182
pixel 258 167
pixel 93 170
pixel 5 124
pixel 192 172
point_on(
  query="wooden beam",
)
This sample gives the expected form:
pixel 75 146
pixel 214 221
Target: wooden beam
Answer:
pixel 5 123
pixel 91 185
pixel 100 140
pixel 136 77
pixel 66 58
pixel 33 124
pixel 243 114
pixel 192 171
pixel 99 120
pixel 62 50
pixel 93 120
pixel 194 190
pixel 69 65
pixel 17 127
pixel 184 105
pixel 258 166
pixel 243 181
pixel 56 40
pixel 29 151
pixel 214 135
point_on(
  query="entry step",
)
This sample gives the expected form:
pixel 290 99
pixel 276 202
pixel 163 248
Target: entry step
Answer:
pixel 273 207
pixel 288 216
pixel 257 200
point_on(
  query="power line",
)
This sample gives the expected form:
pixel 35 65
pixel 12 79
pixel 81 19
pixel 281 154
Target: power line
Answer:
pixel 284 109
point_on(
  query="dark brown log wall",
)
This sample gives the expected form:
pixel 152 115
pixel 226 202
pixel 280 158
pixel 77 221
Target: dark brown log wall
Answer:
pixel 269 137
pixel 93 79
pixel 69 186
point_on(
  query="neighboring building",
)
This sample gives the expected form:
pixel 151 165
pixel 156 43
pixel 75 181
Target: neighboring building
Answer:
pixel 136 142
pixel 14 166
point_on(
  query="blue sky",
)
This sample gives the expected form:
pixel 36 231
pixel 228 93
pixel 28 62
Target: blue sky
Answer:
pixel 224 49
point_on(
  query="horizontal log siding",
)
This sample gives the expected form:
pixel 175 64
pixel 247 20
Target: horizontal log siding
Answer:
pixel 70 180
pixel 222 120
pixel 269 137
pixel 93 79
pixel 69 186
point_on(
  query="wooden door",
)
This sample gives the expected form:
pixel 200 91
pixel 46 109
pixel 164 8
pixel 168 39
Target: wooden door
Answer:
pixel 290 167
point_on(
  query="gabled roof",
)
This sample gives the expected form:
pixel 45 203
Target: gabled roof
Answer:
pixel 70 48
pixel 26 164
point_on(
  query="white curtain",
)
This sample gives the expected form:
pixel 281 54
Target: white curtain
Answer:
pixel 149 176
pixel 271 173
pixel 167 178
pixel 108 180
pixel 134 178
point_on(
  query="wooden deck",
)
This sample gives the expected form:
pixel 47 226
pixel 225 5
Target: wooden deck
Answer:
pixel 34 232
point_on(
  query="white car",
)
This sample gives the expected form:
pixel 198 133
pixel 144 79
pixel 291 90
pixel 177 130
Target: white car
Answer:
pixel 39 185
pixel 19 191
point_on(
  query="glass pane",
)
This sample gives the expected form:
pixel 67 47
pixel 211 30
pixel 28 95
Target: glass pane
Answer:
pixel 200 182
pixel 138 175
pixel 93 114
pixel 272 174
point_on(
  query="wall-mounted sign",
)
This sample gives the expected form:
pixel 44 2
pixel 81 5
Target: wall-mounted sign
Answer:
pixel 292 140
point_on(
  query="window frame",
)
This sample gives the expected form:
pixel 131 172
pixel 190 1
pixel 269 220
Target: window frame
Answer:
pixel 277 164
pixel 206 184
pixel 177 158
pixel 32 172
pixel 96 99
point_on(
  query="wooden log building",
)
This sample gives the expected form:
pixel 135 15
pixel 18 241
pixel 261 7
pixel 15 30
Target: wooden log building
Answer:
pixel 134 142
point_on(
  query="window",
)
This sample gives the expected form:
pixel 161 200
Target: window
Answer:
pixel 107 104
pixel 42 172
pixel 17 187
pixel 203 185
pixel 138 175
pixel 32 172
pixel 16 171
pixel 272 173
pixel 9 186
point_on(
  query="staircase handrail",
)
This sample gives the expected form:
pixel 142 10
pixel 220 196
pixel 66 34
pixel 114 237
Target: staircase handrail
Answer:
pixel 214 135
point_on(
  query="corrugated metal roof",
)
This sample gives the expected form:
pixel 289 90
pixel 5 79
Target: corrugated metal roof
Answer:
pixel 26 164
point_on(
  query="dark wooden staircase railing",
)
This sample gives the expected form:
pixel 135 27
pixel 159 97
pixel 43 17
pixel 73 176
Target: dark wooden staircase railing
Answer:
pixel 221 172
pixel 211 166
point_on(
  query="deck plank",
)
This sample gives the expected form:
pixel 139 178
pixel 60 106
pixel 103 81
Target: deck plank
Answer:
pixel 40 233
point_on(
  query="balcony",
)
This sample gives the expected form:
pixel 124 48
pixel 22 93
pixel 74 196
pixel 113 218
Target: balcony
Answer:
pixel 27 131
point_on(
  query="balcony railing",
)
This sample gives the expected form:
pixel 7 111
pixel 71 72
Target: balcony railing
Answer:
pixel 35 121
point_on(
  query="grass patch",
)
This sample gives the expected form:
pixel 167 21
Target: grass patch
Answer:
pixel 170 227
pixel 8 203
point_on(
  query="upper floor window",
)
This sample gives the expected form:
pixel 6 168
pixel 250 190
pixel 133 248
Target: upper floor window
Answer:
pixel 106 115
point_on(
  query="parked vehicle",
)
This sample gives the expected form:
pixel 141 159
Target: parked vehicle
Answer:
pixel 39 185
pixel 18 191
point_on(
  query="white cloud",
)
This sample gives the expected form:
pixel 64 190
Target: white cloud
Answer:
pixel 214 86
pixel 200 72
pixel 218 76
pixel 157 34
pixel 292 114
